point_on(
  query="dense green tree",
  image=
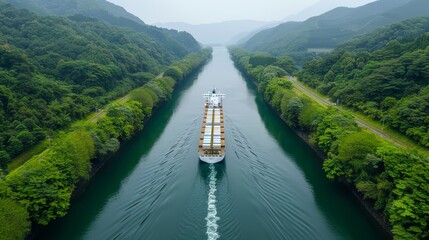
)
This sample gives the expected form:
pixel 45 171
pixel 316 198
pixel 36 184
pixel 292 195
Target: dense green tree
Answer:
pixel 310 116
pixel 56 70
pixel 387 84
pixel 395 180
pixel 333 126
pixel 14 223
pixel 409 207
pixel 261 59
pixel 287 64
pixel 41 188
pixel 4 158
pixel 353 161
pixel 292 111
pixel 175 72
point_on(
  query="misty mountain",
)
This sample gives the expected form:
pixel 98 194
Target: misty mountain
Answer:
pixel 321 7
pixel 316 9
pixel 179 43
pixel 72 7
pixel 335 26
pixel 217 33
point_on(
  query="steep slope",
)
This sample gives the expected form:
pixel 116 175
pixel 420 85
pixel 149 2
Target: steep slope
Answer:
pixel 55 70
pixel 387 81
pixel 406 30
pixel 333 27
pixel 72 7
pixel 321 7
pixel 178 42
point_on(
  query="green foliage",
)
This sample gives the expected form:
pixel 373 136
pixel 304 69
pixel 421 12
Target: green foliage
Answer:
pixel 14 223
pixel 261 59
pixel 332 127
pixel 56 70
pixel 302 40
pixel 77 147
pixel 395 180
pixel 3 188
pixel 124 119
pixel 89 74
pixel 388 84
pixel 4 158
pixel 408 208
pixel 274 86
pixel 178 43
pixel 42 188
pixel 292 111
pixel 354 160
pixel 143 96
pixel 174 72
pixel 286 63
pixel 44 184
pixel 310 116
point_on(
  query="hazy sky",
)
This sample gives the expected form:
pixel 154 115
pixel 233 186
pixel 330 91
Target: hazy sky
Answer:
pixel 210 11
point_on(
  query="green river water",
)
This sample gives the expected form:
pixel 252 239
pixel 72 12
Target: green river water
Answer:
pixel 270 186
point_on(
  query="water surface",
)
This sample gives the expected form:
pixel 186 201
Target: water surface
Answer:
pixel 270 186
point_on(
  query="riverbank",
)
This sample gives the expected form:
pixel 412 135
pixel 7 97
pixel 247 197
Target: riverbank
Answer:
pixel 155 187
pixel 369 206
pixel 306 136
pixel 99 163
pixel 45 184
pixel 371 167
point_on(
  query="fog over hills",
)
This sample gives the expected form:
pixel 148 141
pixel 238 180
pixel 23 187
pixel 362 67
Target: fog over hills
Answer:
pixel 239 31
pixel 217 33
pixel 321 7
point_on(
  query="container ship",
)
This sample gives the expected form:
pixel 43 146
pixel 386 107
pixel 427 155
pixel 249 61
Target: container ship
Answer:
pixel 211 148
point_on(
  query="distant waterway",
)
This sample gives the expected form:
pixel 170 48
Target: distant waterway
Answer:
pixel 270 186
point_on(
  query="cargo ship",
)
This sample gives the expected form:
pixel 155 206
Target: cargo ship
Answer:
pixel 211 148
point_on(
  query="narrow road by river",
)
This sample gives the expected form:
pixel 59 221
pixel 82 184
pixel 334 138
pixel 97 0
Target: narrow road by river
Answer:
pixel 359 121
pixel 270 186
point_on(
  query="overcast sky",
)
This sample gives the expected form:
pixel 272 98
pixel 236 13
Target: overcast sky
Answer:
pixel 211 11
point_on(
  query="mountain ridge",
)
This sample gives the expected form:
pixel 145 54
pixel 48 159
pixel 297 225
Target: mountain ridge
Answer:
pixel 333 27
pixel 72 7
pixel 178 42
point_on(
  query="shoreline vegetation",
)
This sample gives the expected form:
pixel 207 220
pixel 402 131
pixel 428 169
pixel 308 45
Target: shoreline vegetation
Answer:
pixel 56 70
pixel 390 181
pixel 40 190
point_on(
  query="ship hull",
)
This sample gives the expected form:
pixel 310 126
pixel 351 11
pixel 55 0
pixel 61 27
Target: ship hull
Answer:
pixel 211 159
pixel 211 147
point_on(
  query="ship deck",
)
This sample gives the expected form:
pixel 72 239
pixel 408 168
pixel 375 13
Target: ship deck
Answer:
pixel 212 136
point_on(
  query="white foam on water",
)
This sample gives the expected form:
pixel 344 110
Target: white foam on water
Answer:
pixel 212 217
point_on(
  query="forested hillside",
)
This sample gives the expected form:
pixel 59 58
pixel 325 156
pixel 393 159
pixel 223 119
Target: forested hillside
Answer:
pixel 393 179
pixel 385 75
pixel 73 7
pixel 54 70
pixel 333 27
pixel 179 43
pixel 40 190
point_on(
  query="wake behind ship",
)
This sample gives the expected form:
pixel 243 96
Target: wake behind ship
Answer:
pixel 211 148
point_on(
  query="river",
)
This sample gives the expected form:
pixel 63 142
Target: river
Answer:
pixel 270 186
